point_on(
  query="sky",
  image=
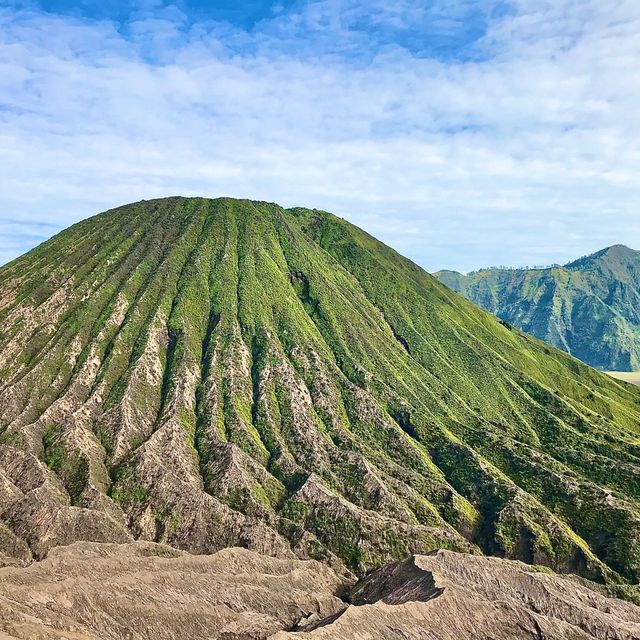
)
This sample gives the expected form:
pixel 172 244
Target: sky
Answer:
pixel 464 133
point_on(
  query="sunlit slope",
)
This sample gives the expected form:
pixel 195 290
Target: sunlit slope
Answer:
pixel 222 372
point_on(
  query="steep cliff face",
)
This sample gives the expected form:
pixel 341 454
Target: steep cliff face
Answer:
pixel 589 308
pixel 213 373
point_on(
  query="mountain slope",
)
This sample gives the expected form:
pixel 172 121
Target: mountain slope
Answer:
pixel 589 308
pixel 212 373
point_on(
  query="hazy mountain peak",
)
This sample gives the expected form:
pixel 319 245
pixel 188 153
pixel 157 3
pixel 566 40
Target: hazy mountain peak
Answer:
pixel 616 252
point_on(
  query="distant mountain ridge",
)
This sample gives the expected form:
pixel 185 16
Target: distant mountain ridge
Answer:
pixel 589 307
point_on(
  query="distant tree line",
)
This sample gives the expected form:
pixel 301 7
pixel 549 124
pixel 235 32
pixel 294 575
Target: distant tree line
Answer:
pixel 534 267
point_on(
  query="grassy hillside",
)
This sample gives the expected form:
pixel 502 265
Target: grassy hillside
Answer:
pixel 589 308
pixel 223 372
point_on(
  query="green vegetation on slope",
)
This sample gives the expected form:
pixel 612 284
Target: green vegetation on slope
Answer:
pixel 589 308
pixel 222 372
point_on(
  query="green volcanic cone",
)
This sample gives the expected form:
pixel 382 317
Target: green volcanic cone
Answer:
pixel 209 373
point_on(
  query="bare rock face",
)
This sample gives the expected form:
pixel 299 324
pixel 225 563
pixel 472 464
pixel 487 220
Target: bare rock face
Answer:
pixel 87 591
pixel 451 596
pixel 145 590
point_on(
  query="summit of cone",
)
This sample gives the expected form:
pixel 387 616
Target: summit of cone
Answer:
pixel 213 373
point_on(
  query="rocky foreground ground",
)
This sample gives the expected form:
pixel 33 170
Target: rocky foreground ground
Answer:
pixel 145 590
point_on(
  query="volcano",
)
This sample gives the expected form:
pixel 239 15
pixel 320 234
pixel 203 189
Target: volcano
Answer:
pixel 209 373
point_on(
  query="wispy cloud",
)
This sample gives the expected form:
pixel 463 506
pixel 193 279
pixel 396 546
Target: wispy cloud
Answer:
pixel 462 133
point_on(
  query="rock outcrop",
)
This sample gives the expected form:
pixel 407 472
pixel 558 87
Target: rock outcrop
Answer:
pixel 137 591
pixel 450 596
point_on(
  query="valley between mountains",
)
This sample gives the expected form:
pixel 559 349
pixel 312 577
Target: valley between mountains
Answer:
pixel 224 373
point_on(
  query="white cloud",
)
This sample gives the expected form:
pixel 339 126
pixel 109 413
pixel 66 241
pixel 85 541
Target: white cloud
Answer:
pixel 524 151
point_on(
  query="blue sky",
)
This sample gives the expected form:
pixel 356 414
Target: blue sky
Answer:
pixel 244 14
pixel 463 133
